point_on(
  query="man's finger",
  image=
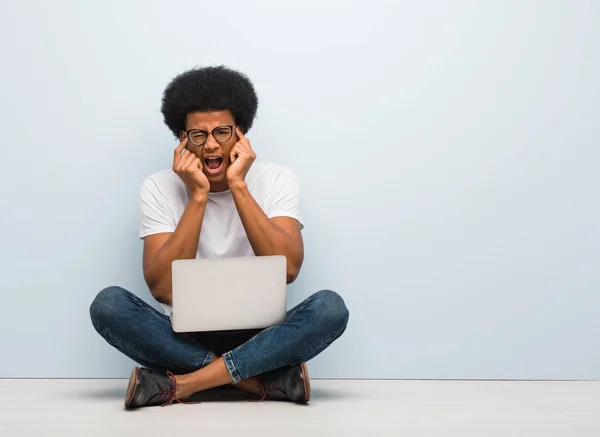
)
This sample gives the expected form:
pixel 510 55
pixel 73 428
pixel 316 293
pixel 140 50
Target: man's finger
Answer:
pixel 243 145
pixel 234 153
pixel 189 159
pixel 194 164
pixel 181 157
pixel 180 147
pixel 239 133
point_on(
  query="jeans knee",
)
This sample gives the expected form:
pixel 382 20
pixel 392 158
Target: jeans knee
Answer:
pixel 106 303
pixel 334 308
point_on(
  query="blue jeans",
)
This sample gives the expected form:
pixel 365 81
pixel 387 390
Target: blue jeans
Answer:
pixel 146 336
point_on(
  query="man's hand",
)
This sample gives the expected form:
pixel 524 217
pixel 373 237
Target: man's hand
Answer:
pixel 241 157
pixel 189 169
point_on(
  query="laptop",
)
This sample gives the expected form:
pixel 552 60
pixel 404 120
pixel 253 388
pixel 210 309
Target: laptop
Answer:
pixel 228 293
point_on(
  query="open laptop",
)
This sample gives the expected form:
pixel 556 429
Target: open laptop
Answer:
pixel 228 293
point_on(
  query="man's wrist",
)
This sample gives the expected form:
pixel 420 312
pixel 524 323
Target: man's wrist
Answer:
pixel 200 198
pixel 237 186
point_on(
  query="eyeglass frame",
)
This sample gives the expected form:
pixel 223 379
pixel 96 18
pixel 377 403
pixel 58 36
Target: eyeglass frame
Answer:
pixel 232 127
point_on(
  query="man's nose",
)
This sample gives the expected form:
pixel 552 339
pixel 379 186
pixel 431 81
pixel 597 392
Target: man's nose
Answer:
pixel 210 144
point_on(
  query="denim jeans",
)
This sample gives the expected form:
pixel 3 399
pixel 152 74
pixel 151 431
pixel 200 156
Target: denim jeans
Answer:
pixel 145 335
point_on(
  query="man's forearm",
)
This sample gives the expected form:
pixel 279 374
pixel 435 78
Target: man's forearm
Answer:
pixel 266 238
pixel 183 244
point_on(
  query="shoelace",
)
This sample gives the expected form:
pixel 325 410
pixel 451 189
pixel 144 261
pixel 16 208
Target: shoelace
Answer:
pixel 269 387
pixel 168 393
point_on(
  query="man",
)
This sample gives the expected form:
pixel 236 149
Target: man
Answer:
pixel 217 200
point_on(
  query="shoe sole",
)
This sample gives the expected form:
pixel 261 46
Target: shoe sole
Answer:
pixel 306 381
pixel 133 382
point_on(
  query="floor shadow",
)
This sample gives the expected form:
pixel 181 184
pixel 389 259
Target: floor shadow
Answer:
pixel 108 393
pixel 227 394
pixel 319 393
pixel 221 394
pixel 218 394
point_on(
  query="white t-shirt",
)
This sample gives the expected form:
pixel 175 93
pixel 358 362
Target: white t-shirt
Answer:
pixel 164 197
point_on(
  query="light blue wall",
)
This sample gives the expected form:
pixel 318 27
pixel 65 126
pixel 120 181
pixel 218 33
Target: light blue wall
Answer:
pixel 447 151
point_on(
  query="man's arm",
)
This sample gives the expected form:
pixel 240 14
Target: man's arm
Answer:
pixel 276 236
pixel 160 250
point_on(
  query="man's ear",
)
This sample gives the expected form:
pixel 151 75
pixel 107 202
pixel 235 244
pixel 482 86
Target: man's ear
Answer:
pixel 182 135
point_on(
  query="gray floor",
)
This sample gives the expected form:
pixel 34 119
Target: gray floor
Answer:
pixel 337 408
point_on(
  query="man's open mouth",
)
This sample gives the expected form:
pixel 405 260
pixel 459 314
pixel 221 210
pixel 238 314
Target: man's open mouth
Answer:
pixel 213 165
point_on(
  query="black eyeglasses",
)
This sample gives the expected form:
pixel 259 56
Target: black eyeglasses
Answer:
pixel 199 136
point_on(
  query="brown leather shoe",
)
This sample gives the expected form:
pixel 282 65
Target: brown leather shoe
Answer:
pixel 147 388
pixel 290 384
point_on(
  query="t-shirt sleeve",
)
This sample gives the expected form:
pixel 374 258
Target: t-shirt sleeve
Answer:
pixel 155 212
pixel 285 197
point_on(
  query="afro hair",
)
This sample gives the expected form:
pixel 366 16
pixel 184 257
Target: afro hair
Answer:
pixel 209 89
